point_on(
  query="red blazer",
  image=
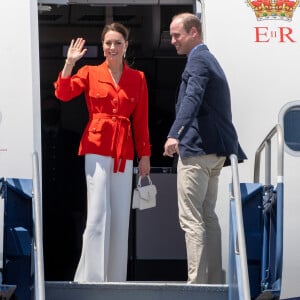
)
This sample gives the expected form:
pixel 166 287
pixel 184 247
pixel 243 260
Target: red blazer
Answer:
pixel 112 112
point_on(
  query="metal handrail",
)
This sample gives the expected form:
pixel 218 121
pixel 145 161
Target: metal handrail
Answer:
pixel 39 280
pixel 240 244
pixel 266 144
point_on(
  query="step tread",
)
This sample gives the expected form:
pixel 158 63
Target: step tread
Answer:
pixel 137 285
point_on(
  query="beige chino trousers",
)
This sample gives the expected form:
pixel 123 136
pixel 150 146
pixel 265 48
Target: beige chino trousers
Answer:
pixel 197 184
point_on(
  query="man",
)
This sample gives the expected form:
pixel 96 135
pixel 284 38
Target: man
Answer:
pixel 203 136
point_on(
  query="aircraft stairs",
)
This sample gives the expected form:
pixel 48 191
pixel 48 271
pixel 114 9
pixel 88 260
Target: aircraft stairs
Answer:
pixel 255 242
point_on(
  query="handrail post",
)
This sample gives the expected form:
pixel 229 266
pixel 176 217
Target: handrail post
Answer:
pixel 39 280
pixel 240 239
pixel 256 169
pixel 266 144
pixel 268 162
pixel 280 161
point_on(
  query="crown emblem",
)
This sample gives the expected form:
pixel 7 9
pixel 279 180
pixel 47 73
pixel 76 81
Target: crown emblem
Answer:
pixel 273 9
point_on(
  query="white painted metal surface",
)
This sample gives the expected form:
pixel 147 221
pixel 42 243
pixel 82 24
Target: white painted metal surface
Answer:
pixel 260 57
pixel 19 88
pixel 261 60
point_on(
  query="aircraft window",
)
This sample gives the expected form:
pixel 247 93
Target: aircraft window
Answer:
pixel 289 119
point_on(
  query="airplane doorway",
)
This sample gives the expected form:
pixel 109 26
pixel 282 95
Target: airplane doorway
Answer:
pixel 64 190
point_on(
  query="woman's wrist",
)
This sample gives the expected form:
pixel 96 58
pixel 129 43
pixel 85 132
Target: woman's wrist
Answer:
pixel 145 157
pixel 69 63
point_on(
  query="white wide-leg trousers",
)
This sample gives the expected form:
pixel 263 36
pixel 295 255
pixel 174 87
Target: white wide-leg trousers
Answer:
pixel 105 239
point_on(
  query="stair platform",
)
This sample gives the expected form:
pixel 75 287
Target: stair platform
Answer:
pixel 134 291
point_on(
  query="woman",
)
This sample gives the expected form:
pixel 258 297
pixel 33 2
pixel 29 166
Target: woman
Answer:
pixel 117 100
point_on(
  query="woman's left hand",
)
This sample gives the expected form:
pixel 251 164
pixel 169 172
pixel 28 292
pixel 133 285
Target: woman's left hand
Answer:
pixel 144 166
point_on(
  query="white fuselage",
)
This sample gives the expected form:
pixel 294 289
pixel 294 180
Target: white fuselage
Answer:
pixel 260 57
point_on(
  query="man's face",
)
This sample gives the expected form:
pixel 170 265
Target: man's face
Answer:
pixel 180 39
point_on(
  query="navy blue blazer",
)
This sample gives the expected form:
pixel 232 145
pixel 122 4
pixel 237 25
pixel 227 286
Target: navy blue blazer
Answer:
pixel 203 123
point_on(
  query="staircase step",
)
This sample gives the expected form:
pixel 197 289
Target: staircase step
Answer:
pixel 134 291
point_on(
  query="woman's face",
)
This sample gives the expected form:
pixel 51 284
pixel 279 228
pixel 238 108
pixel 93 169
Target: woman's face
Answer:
pixel 114 45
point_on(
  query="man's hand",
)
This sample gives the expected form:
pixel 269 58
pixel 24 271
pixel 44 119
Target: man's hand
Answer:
pixel 171 147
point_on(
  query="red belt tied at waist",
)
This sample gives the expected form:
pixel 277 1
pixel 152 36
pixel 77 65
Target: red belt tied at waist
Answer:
pixel 120 137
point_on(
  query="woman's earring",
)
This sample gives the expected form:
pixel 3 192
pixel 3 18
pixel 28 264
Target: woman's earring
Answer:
pixel 124 55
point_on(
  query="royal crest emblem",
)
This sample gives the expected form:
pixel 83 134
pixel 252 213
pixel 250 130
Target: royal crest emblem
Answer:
pixel 273 9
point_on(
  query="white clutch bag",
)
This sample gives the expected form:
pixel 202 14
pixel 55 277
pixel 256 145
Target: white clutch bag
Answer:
pixel 144 196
